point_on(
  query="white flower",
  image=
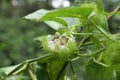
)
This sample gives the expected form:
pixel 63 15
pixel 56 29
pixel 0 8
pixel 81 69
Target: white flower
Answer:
pixel 62 45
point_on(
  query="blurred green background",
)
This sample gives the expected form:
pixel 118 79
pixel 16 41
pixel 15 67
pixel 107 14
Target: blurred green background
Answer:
pixel 17 34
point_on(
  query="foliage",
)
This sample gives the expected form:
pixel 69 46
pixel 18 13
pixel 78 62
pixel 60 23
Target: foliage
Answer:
pixel 89 41
pixel 17 40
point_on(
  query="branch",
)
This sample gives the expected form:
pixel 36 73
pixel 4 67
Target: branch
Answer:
pixel 113 12
pixel 26 63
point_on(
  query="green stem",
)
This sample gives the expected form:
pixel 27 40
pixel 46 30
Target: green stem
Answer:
pixel 84 55
pixel 100 57
pixel 26 63
pixel 82 34
pixel 88 55
pixel 71 66
pixel 101 30
pixel 114 12
pixel 17 69
pixel 100 63
pixel 76 58
pixel 89 43
pixel 74 75
pixel 83 39
pixel 38 59
pixel 100 50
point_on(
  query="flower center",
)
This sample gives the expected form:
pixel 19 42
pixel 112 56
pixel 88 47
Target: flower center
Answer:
pixel 60 40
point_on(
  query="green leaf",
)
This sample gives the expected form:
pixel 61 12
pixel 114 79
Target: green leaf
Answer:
pixel 54 25
pixel 111 55
pixel 17 77
pixel 100 20
pixel 55 69
pixel 41 72
pixel 2 75
pixel 104 24
pixel 12 70
pixel 96 41
pixel 70 21
pixel 9 69
pixel 37 14
pixel 118 75
pixel 118 12
pixel 40 15
pixel 102 30
pixel 59 20
pixel 57 15
pixel 100 5
pixel 98 72
pixel 70 12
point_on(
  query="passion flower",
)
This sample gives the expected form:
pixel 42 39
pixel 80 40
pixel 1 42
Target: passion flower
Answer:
pixel 62 45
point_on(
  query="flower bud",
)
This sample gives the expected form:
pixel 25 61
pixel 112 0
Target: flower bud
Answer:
pixel 62 45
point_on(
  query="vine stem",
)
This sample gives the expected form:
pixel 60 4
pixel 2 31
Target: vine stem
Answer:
pixel 83 39
pixel 101 30
pixel 89 43
pixel 82 34
pixel 26 63
pixel 85 35
pixel 71 66
pixel 88 55
pixel 37 59
pixel 74 75
pixel 100 63
pixel 113 12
